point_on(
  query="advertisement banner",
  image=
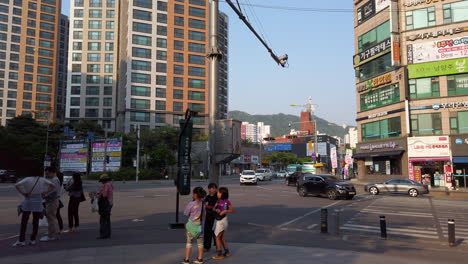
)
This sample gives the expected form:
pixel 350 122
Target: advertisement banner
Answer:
pixel 310 149
pixel 322 149
pixel 114 152
pixel 74 155
pixel 366 11
pixel 371 53
pixel 381 5
pixel 438 68
pixel 428 147
pixel 349 156
pixel 438 50
pixel 334 158
pixel 383 96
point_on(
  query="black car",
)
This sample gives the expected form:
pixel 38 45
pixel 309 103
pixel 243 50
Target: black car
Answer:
pixel 325 185
pixel 8 176
pixel 291 179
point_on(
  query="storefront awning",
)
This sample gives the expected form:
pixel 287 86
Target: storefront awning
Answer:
pixel 460 159
pixel 378 154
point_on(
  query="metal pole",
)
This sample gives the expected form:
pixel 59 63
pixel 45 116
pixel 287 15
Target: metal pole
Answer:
pixel 383 227
pixel 105 150
pixel 324 220
pixel 138 154
pixel 451 232
pixel 214 57
pixel 337 221
pixel 47 143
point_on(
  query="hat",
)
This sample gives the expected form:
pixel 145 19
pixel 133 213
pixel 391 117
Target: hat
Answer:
pixel 104 177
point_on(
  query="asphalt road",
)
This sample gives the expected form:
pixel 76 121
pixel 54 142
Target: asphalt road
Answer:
pixel 270 213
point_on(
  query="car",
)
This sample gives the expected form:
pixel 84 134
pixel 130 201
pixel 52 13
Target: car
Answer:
pixel 282 174
pixel 403 186
pixel 8 176
pixel 263 174
pixel 325 185
pixel 291 178
pixel 248 176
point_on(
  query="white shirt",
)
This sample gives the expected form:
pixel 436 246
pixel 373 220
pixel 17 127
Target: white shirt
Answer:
pixel 27 184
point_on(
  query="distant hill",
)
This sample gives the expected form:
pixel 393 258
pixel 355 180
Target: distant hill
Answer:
pixel 279 123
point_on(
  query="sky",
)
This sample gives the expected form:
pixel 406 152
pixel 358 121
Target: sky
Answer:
pixel 320 46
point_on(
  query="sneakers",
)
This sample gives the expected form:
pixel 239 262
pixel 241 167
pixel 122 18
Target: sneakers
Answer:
pixel 227 254
pixel 19 244
pixel 186 261
pixel 219 257
pixel 32 243
pixel 47 238
pixel 197 261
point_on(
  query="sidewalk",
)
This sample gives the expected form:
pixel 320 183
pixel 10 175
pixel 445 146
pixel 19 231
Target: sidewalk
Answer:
pixel 241 253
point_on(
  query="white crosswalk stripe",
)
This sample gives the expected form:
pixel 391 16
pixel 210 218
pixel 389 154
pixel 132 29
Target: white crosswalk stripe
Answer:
pixel 397 231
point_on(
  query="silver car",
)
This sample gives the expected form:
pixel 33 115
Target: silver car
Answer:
pixel 409 187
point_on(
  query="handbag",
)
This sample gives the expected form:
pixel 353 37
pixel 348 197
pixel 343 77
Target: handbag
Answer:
pixel 19 209
pixel 82 197
pixel 194 229
pixel 49 198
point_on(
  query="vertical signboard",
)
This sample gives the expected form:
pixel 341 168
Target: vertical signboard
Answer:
pixel 113 152
pixel 334 158
pixel 74 155
pixel 184 162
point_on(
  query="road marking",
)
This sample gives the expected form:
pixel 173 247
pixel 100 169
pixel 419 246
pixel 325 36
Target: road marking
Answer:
pixel 10 237
pixel 312 226
pixel 388 213
pixel 427 232
pixel 136 220
pixel 161 195
pixel 389 232
pixel 265 188
pixel 258 225
pixel 309 213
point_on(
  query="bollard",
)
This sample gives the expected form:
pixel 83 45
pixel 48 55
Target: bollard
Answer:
pixel 337 221
pixel 383 227
pixel 451 232
pixel 324 220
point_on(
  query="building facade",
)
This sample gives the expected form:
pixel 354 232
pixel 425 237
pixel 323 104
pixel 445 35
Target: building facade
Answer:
pixel 29 33
pixel 412 89
pixel 62 64
pixel 142 63
pixel 249 132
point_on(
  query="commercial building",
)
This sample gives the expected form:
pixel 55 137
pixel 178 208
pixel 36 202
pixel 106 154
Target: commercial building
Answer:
pixel 141 62
pixel 412 89
pixel 29 34
pixel 352 137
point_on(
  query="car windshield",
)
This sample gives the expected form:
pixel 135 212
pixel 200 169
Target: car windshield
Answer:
pixel 260 171
pixel 282 171
pixel 248 173
pixel 330 178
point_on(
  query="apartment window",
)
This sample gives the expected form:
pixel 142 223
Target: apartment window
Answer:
pixel 93 13
pixel 141 91
pixel 94 35
pixel 195 35
pixel 195 47
pixel 179 9
pixel 13 94
pixel 160 105
pixel 162 18
pixel 196 23
pixel 141 78
pixel 109 46
pixel 79 12
pixel 75 90
pixel 110 25
pixel 27 96
pixel 141 53
pixel 160 118
pixel 197 107
pixel 375 67
pixel 459 124
pixel 161 55
pixel 141 40
pixel 424 87
pixel 161 30
pixel 420 18
pixel 110 13
pixel 177 107
pixel 45 44
pixel 107 101
pixel 95 24
pixel 160 92
pixel 141 65
pixel 178 45
pixel 42 79
pixel 178 94
pixel 27 105
pixel 162 6
pixel 45 8
pixel 178 33
pixel 11 103
pixel 161 67
pixel 161 43
pixel 176 119
pixel 76 56
pixel 74 112
pixel 78 34
pixel 109 35
pixel 382 129
pixel 160 80
pixel 178 57
pixel 143 3
pixel 179 21
pixel 107 90
pixel 426 124
pixel 46 17
pixel 196 96
pixel 91 112
pixel 374 36
pixel 94 57
pixel 27 86
pixel 95 3
pixel 43 88
pixel 75 101
pixel 195 83
pixel 196 59
pixel 178 69
pixel 197 12
pixel 139 117
pixel 93 68
pixel 79 3
pixel 92 101
pixel 106 113
pixel 95 46
pixel 108 68
pixel 28 68
pixel 109 57
pixel 93 79
pixel 111 3
pixel 29 32
pixel 455 12
pixel 196 71
pixel 77 46
pixel 142 27
pixel 140 104
pixel 92 90
pixel 142 15
pixel 457 84
pixel 46 35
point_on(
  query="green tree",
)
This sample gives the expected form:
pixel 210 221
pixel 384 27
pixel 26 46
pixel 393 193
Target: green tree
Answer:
pixel 282 159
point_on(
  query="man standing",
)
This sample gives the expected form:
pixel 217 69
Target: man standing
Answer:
pixel 52 204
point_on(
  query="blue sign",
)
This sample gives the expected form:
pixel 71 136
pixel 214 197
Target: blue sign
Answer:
pixel 436 106
pixel 279 147
pixel 459 141
pixel 314 157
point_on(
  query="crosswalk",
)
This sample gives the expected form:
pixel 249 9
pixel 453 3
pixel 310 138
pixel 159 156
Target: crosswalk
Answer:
pixel 457 211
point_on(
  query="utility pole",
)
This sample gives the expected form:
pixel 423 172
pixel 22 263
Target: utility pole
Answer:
pixel 138 154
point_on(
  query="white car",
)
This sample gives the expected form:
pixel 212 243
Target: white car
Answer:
pixel 282 174
pixel 263 174
pixel 248 176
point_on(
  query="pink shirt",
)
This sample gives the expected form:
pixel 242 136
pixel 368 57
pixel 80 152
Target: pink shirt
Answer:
pixel 107 190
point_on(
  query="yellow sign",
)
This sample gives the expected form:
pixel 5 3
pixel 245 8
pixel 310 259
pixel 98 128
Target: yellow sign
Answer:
pixel 376 82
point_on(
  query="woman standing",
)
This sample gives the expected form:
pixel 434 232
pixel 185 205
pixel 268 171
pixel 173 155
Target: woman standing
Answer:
pixel 105 198
pixel 75 191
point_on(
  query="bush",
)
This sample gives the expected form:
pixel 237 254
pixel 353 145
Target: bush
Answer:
pixel 127 174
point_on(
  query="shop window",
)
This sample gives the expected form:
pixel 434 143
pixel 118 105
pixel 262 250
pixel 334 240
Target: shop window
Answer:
pixel 387 128
pixel 459 124
pixel 378 165
pixel 420 18
pixel 424 87
pixel 455 12
pixel 426 124
pixel 457 84
pixel 374 36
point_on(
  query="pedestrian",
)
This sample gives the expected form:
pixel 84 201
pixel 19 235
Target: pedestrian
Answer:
pixel 32 188
pixel 105 198
pixel 193 228
pixel 222 208
pixel 52 203
pixel 75 192
pixel 210 202
pixel 60 194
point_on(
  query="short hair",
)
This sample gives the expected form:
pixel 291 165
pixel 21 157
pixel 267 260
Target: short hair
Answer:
pixel 50 169
pixel 200 192
pixel 224 193
pixel 212 185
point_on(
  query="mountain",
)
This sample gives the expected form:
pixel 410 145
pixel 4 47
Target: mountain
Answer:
pixel 279 123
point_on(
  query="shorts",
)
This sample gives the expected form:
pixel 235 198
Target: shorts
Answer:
pixel 220 226
pixel 190 238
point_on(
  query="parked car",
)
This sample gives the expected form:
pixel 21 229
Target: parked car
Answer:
pixel 291 178
pixel 325 185
pixel 263 174
pixel 404 186
pixel 282 174
pixel 248 176
pixel 8 176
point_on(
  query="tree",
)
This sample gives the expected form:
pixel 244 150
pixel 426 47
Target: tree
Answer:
pixel 282 159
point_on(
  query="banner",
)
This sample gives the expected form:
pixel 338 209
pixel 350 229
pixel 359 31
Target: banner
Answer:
pixel 184 162
pixel 438 68
pixel 114 153
pixel 381 5
pixel 438 50
pixel 334 158
pixel 74 155
pixel 383 96
pixel 429 147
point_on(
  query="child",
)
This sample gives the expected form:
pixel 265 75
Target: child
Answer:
pixel 222 208
pixel 194 211
pixel 210 202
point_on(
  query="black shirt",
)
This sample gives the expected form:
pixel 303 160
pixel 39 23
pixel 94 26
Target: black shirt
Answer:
pixel 210 204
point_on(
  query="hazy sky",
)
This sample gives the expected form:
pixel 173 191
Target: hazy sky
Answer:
pixel 320 47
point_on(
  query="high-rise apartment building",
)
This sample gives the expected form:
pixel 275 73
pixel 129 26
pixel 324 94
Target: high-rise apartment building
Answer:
pixel 223 68
pixel 140 62
pixel 412 90
pixel 29 33
pixel 62 64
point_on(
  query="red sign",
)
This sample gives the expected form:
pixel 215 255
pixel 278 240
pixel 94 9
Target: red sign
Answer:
pixel 417 176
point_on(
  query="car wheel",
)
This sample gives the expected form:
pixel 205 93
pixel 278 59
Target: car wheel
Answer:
pixel 350 197
pixel 302 191
pixel 331 194
pixel 373 190
pixel 413 192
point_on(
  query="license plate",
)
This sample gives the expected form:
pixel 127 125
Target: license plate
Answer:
pixel 352 193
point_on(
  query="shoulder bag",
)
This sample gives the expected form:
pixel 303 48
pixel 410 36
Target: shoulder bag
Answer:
pixel 20 206
pixel 194 229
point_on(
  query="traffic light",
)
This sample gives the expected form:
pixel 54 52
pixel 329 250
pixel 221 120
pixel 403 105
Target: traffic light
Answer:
pixel 107 159
pixel 291 137
pixel 269 139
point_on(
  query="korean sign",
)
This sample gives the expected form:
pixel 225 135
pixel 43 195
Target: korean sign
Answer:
pixel 383 96
pixel 381 5
pixel 409 3
pixel 436 33
pixel 438 68
pixel 379 49
pixel 434 146
pixel 184 162
pixel 74 155
pixel 99 153
pixel 438 50
pixel 366 11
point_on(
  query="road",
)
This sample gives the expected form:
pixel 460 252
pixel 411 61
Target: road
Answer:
pixel 268 214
